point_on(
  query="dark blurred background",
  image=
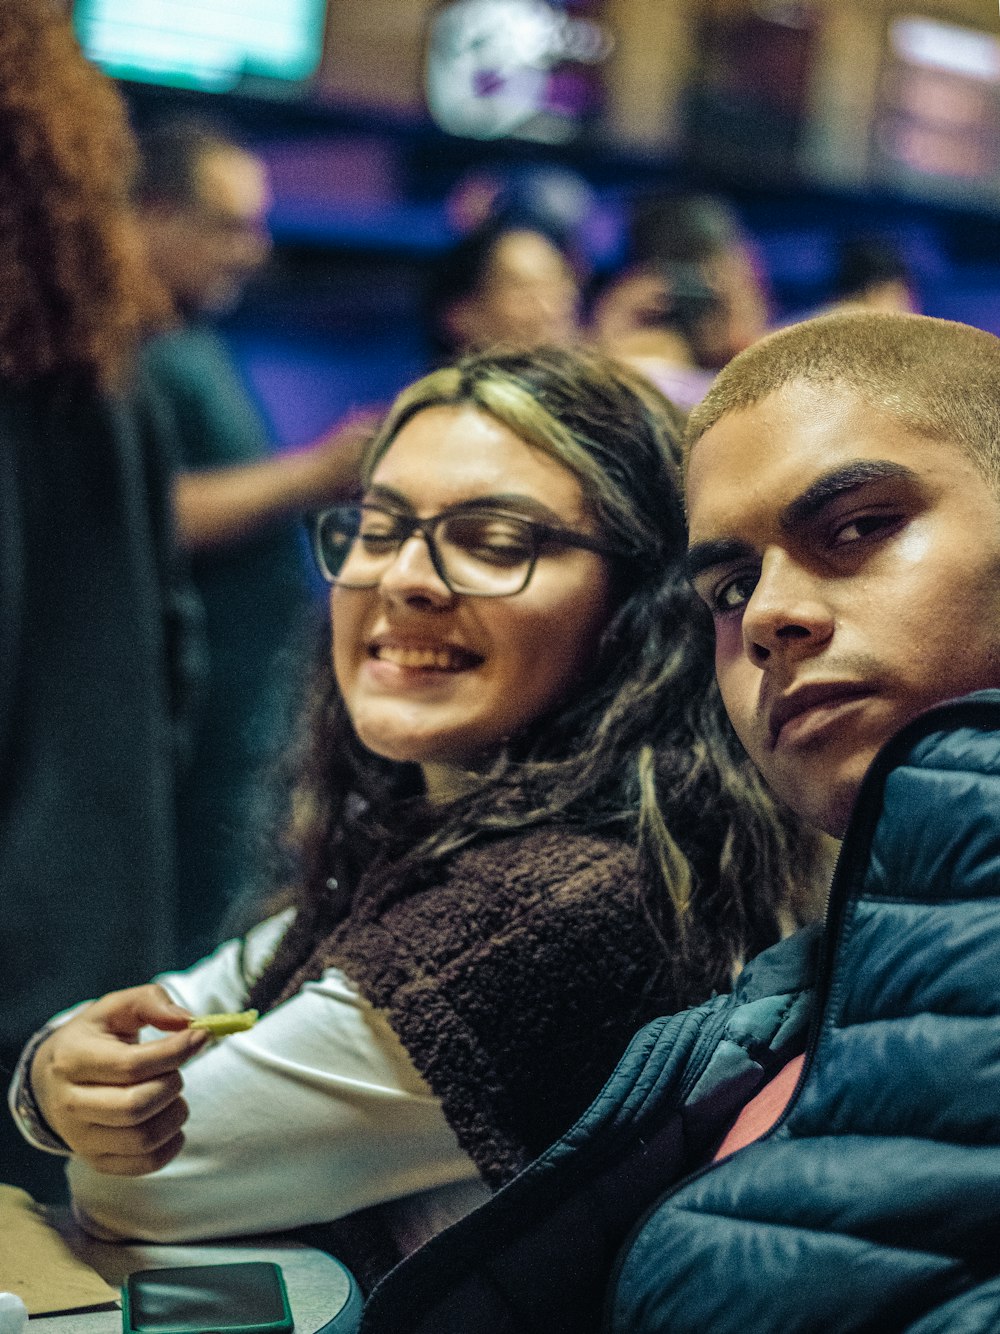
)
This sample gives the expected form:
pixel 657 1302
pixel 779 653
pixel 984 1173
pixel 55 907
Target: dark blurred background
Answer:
pixel 386 123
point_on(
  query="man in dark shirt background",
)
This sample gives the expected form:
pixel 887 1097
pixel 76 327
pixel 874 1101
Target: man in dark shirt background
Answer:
pixel 202 205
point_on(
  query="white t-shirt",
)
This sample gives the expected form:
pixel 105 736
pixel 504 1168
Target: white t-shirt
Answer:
pixel 313 1113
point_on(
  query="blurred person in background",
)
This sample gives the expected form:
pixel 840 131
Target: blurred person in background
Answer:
pixel 93 633
pixel 872 274
pixel 868 272
pixel 647 315
pixel 511 280
pixel 202 204
pixel 687 298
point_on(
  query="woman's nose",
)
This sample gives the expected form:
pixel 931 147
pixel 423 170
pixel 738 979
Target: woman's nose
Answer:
pixel 411 574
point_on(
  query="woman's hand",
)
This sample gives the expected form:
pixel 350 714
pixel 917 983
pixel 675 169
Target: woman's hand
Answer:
pixel 116 1102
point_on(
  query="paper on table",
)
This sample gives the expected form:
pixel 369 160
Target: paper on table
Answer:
pixel 37 1264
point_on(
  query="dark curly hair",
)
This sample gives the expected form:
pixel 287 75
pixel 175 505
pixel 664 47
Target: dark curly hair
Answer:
pixel 75 294
pixel 641 745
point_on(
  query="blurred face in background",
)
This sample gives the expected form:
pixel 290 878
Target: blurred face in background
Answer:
pixel 528 296
pixel 633 304
pixel 205 250
pixel 742 315
pixel 699 314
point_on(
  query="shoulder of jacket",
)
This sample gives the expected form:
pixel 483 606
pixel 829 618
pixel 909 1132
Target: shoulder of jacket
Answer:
pixel 928 786
pixel 954 735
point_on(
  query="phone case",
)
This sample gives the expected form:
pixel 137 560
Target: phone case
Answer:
pixel 246 1297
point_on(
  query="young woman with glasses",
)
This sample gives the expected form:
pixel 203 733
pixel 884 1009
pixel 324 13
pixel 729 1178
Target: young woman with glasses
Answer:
pixel 520 830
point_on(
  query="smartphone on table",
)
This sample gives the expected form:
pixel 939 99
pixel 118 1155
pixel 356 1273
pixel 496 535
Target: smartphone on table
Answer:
pixel 245 1297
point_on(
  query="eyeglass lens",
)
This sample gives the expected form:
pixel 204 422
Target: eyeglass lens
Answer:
pixel 479 551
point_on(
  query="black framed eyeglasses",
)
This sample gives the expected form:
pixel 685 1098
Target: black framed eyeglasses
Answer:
pixel 477 550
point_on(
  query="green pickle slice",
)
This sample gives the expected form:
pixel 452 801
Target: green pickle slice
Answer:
pixel 221 1025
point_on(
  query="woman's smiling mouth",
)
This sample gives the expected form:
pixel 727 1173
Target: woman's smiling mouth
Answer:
pixel 443 658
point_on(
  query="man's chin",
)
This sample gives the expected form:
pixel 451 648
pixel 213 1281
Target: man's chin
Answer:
pixel 826 802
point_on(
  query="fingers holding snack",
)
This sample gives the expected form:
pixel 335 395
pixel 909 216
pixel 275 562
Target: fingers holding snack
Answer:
pixel 108 1096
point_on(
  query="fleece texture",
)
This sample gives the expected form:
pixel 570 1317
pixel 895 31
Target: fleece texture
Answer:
pixel 514 981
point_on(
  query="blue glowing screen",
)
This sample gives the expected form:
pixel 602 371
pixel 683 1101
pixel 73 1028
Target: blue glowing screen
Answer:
pixel 210 44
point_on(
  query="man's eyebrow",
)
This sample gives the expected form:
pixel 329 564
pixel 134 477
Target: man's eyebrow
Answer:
pixel 719 551
pixel 840 482
pixel 801 511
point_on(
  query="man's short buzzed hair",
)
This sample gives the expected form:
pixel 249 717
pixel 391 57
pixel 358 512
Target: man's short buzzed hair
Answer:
pixel 939 378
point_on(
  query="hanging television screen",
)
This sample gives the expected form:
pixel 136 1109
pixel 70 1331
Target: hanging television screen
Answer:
pixel 526 68
pixel 215 45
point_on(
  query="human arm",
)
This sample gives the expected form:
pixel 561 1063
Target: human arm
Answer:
pixel 218 983
pixel 314 1113
pixel 216 506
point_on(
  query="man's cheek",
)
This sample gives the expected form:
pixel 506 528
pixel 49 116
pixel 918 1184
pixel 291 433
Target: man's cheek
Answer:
pixel 729 654
pixel 738 685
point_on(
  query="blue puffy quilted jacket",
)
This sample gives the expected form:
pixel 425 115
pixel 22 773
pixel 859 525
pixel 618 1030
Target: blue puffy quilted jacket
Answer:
pixel 874 1204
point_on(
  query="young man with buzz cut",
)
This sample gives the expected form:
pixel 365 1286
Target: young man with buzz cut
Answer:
pixel 819 1151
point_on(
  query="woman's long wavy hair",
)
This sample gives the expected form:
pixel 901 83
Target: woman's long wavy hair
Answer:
pixel 640 746
pixel 75 295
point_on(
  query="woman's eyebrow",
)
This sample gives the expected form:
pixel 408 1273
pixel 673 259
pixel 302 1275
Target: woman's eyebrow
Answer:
pixel 838 482
pixel 375 491
pixel 513 500
pixel 528 506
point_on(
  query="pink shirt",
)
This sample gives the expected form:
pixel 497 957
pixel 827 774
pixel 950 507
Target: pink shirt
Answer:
pixel 762 1111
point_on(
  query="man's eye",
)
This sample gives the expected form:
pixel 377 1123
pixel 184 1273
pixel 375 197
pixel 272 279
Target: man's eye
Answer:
pixel 732 594
pixel 866 525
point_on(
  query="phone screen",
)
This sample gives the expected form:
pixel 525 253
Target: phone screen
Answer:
pixel 249 1297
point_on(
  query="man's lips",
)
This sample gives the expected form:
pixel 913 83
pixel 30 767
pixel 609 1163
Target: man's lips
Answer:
pixel 806 699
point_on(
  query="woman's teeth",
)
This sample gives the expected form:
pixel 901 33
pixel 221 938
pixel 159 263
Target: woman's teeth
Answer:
pixel 436 659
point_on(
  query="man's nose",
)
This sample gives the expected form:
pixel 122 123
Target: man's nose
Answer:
pixel 788 614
